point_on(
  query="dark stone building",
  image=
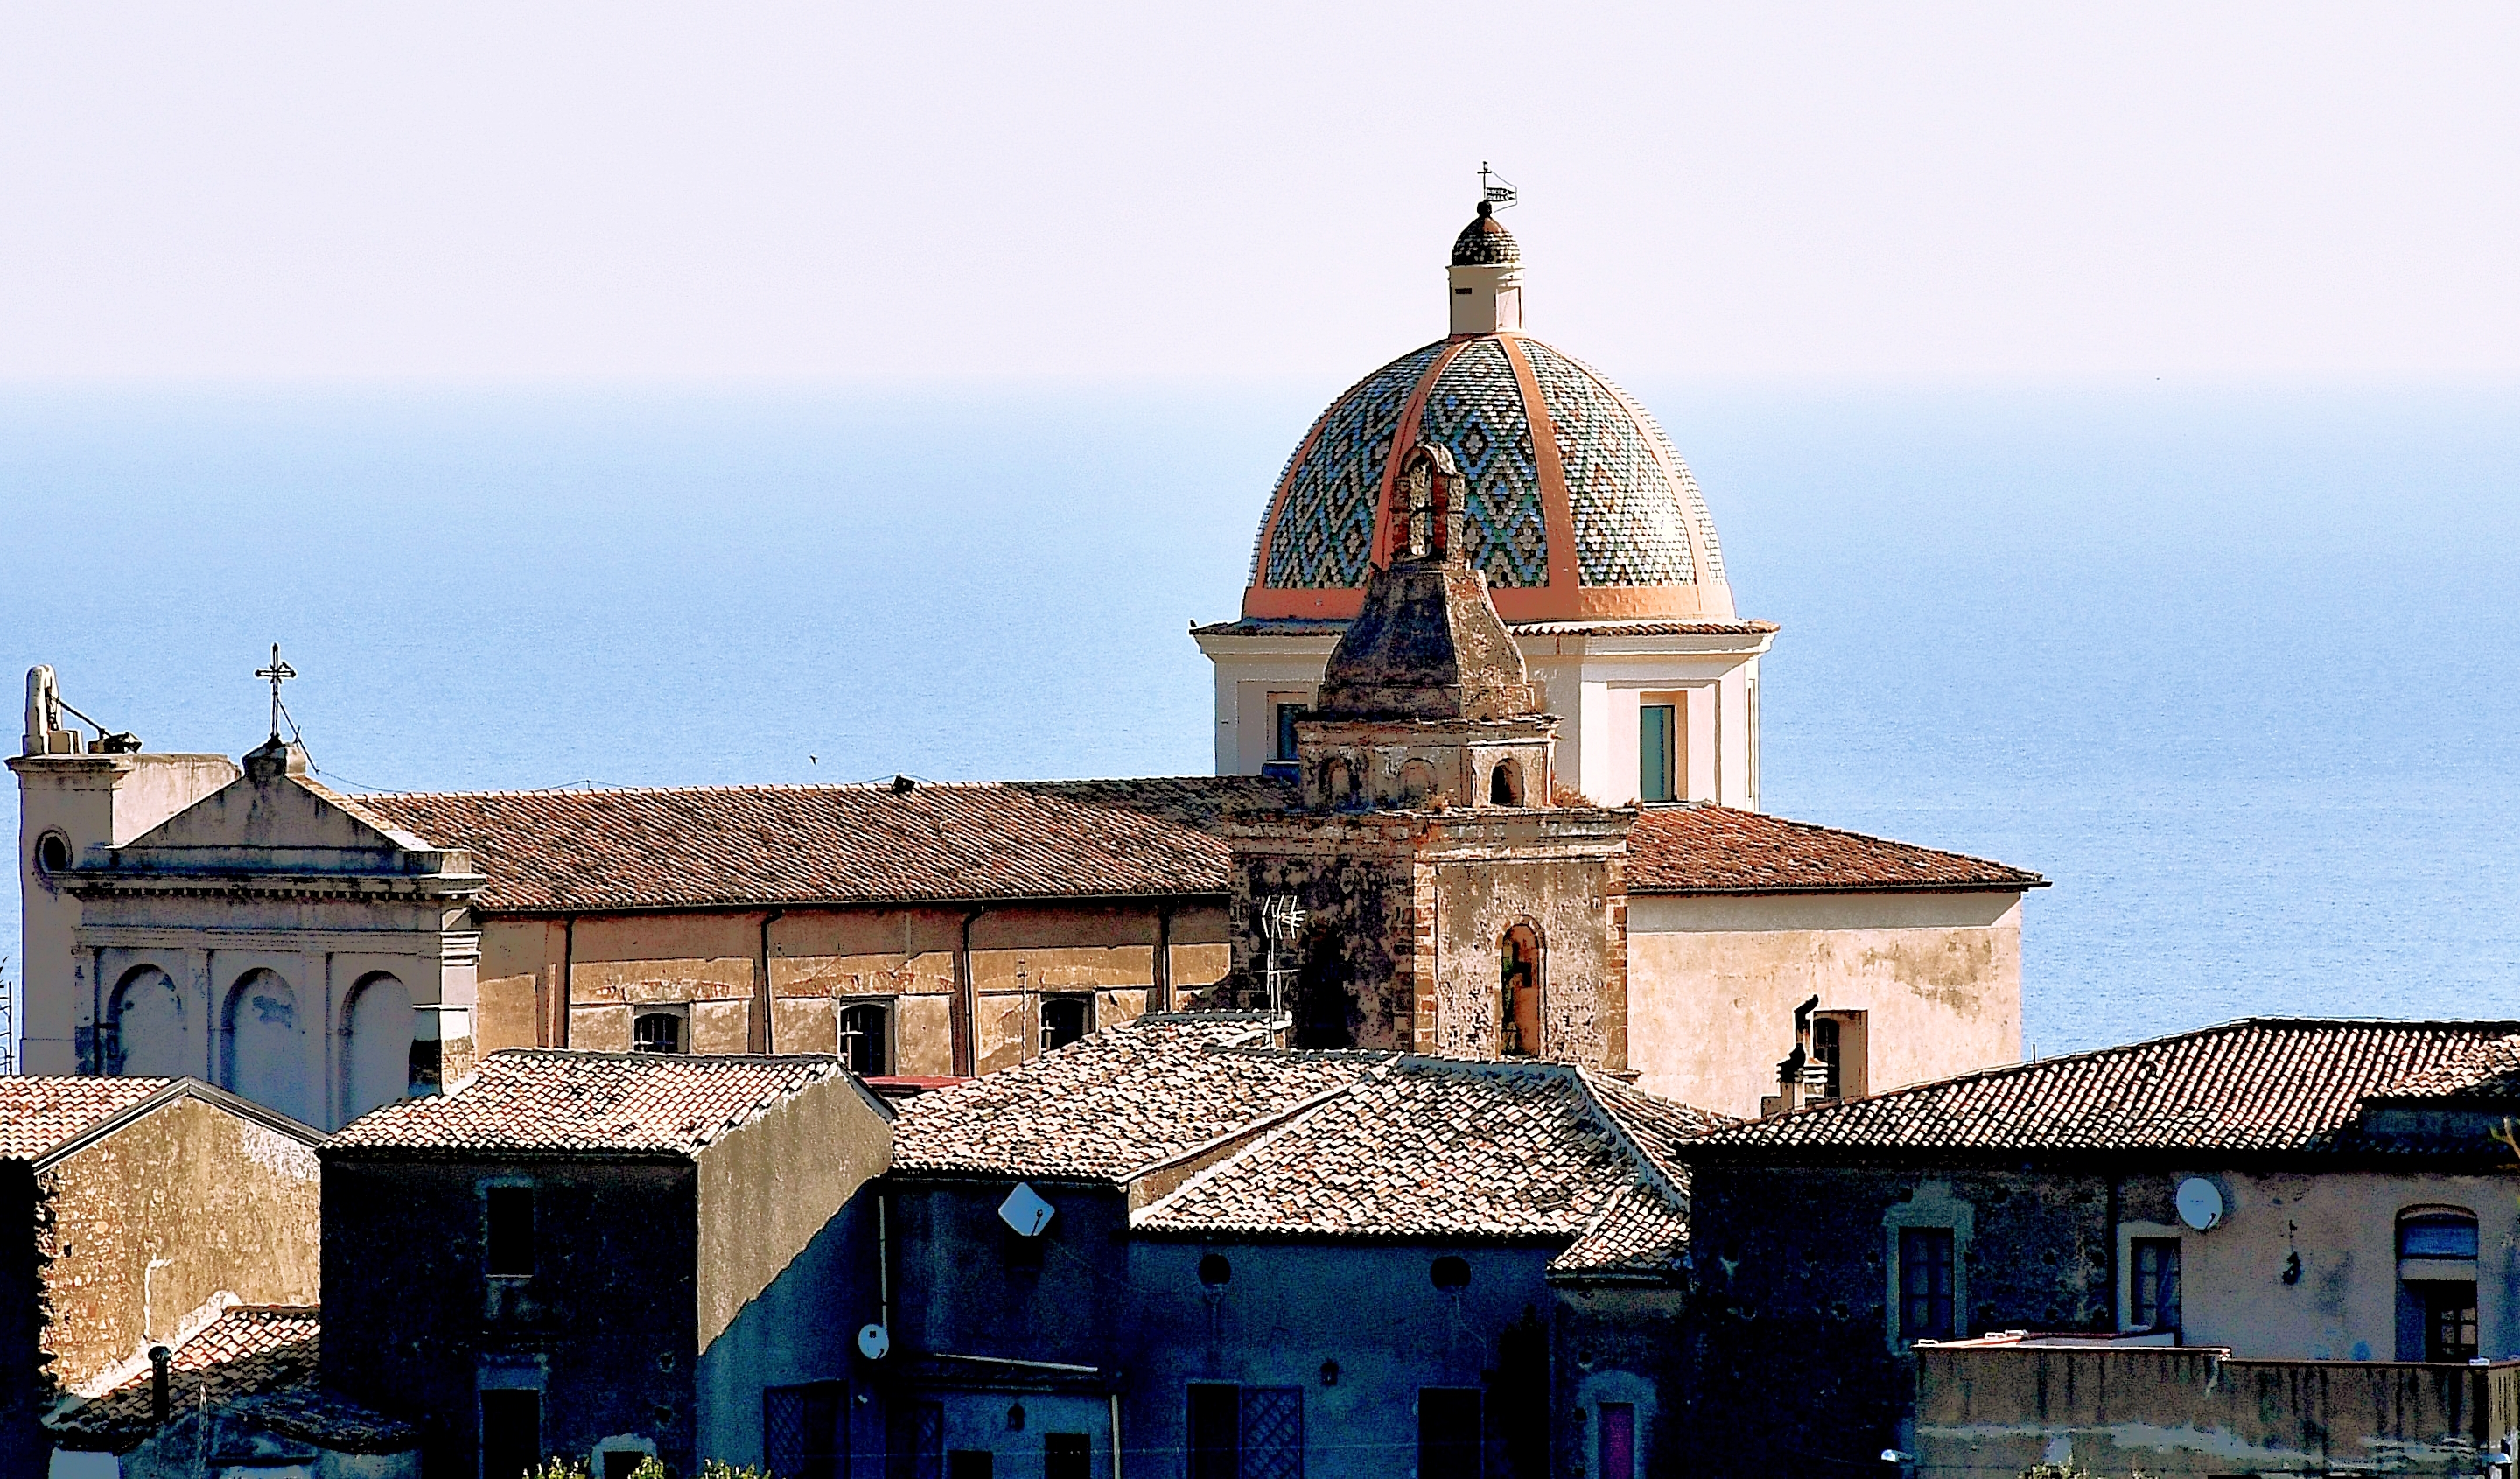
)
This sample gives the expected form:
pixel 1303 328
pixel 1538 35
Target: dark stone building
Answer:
pixel 605 1256
pixel 1231 1258
pixel 2295 1189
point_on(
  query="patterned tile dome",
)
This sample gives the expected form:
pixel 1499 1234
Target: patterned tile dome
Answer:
pixel 1579 509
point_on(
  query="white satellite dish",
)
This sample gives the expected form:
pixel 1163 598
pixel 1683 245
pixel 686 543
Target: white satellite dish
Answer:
pixel 1025 1211
pixel 2201 1205
pixel 873 1341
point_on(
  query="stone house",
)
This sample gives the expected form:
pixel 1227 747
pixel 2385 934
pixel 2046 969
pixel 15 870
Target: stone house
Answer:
pixel 605 1256
pixel 136 1210
pixel 2281 1190
pixel 243 1394
pixel 1225 1257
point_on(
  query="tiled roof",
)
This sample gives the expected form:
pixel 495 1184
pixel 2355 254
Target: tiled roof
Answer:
pixel 258 1361
pixel 41 1111
pixel 552 1101
pixel 2258 1084
pixel 1485 243
pixel 1640 1234
pixel 1419 1147
pixel 558 851
pixel 1122 1100
pixel 1708 849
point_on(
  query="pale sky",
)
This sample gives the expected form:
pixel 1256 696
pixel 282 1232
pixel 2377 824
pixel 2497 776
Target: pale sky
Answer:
pixel 559 191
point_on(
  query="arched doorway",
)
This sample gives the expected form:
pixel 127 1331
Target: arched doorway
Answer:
pixel 1518 1004
pixel 378 1058
pixel 266 1043
pixel 154 1036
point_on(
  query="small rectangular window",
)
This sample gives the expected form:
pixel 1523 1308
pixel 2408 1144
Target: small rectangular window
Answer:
pixel 1287 714
pixel 971 1463
pixel 1064 1019
pixel 866 1038
pixel 2449 1321
pixel 914 1440
pixel 508 1232
pixel 1926 1284
pixel 2152 1298
pixel 2437 1235
pixel 803 1435
pixel 511 1434
pixel 1066 1456
pixel 1657 758
pixel 1618 1441
pixel 657 1031
pixel 1448 1433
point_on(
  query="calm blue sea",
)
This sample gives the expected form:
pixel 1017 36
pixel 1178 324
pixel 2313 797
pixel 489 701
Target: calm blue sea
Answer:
pixel 2235 668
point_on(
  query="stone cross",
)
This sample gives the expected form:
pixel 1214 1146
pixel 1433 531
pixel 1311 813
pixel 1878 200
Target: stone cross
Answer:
pixel 279 673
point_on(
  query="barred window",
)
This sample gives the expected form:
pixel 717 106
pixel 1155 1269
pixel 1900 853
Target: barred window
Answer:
pixel 1926 1284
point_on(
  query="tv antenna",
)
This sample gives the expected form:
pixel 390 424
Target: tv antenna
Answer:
pixel 1281 922
pixel 1496 189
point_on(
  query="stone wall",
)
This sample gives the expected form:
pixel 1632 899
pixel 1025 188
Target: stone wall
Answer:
pixel 232 1206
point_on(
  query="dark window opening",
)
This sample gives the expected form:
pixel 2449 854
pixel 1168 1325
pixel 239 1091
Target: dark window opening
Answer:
pixel 1451 1273
pixel 1657 760
pixel 511 1434
pixel 1024 1255
pixel 1926 1284
pixel 1448 1433
pixel 866 1038
pixel 2152 1301
pixel 656 1032
pixel 1215 1270
pixel 1064 1019
pixel 1066 1456
pixel 914 1440
pixel 1287 714
pixel 508 1239
pixel 52 852
pixel 1617 1446
pixel 2437 1235
pixel 971 1463
pixel 1520 953
pixel 1828 1047
pixel 804 1431
pixel 1246 1432
pixel 427 1067
pixel 1505 784
pixel 621 1463
pixel 2449 1321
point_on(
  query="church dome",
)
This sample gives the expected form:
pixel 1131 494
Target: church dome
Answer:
pixel 1578 508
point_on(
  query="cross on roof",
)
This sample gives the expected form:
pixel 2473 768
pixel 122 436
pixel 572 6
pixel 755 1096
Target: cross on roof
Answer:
pixel 279 673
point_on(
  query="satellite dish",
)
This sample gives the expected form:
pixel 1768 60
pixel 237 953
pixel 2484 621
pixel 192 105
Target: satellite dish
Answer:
pixel 1025 1211
pixel 873 1341
pixel 2201 1205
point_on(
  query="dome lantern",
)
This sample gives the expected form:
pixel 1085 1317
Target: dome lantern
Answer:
pixel 1486 277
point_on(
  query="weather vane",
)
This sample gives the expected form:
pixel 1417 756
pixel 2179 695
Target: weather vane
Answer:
pixel 1494 188
pixel 279 673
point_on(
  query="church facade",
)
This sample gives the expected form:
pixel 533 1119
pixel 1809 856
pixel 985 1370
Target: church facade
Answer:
pixel 1488 724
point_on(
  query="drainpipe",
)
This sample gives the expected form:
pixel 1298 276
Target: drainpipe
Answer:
pixel 966 1018
pixel 160 1397
pixel 567 968
pixel 1163 994
pixel 760 1039
pixel 1115 1435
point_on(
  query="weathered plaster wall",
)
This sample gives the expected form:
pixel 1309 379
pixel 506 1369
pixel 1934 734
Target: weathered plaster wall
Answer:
pixel 1578 908
pixel 2002 1410
pixel 1714 981
pixel 234 1208
pixel 1619 1344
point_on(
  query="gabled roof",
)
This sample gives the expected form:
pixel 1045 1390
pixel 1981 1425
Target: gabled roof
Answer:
pixel 553 1100
pixel 1343 1146
pixel 1120 1102
pixel 255 1361
pixel 2259 1085
pixel 46 1116
pixel 561 851
pixel 1706 849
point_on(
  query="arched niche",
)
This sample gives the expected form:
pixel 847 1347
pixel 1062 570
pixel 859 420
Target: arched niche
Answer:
pixel 377 1055
pixel 1518 961
pixel 1504 783
pixel 1416 781
pixel 154 1035
pixel 264 1027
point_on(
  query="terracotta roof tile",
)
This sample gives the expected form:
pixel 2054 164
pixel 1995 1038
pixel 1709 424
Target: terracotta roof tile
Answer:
pixel 41 1111
pixel 1640 1236
pixel 1708 849
pixel 2261 1084
pixel 550 1101
pixel 255 1360
pixel 1115 1102
pixel 558 851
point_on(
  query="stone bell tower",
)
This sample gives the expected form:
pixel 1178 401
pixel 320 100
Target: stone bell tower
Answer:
pixel 1452 908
